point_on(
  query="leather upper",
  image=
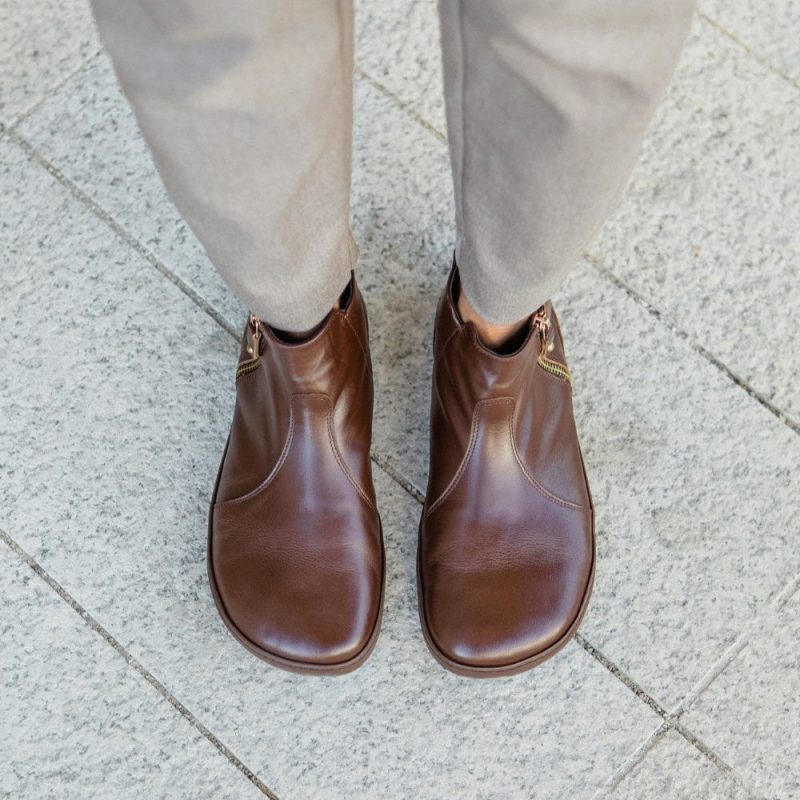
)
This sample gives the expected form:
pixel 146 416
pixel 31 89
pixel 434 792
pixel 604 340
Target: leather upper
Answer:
pixel 507 539
pixel 295 551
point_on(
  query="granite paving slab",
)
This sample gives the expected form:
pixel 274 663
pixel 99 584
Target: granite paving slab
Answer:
pixel 78 723
pixel 750 713
pixel 116 399
pixel 768 27
pixel 41 43
pixel 707 231
pixel 675 769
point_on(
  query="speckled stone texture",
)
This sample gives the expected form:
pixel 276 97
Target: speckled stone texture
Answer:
pixel 397 43
pixel 707 231
pixel 652 401
pixel 114 422
pixel 752 710
pixel 675 770
pixel 78 723
pixel 767 27
pixel 695 519
pixel 116 391
pixel 88 130
pixel 41 43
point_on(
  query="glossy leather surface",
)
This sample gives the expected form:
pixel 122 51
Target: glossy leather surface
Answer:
pixel 506 550
pixel 295 547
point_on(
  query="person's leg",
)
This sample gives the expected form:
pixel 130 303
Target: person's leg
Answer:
pixel 247 109
pixel 547 103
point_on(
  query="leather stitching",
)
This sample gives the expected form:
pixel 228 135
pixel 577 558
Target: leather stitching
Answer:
pixel 358 338
pixel 275 470
pixel 536 485
pixel 340 461
pixel 473 436
pixel 467 456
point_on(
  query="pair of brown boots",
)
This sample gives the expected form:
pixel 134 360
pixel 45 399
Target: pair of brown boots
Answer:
pixel 506 541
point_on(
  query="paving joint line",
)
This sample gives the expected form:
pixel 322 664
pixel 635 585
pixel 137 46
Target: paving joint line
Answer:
pixel 728 656
pixel 98 211
pixel 668 721
pixel 136 665
pixel 398 477
pixel 401 104
pixel 695 345
pixel 763 60
pixel 595 262
pixel 631 762
pixel 642 751
pixel 621 675
pixel 716 759
pixel 53 90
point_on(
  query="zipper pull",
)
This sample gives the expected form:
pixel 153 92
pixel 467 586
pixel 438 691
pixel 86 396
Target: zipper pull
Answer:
pixel 541 321
pixel 254 348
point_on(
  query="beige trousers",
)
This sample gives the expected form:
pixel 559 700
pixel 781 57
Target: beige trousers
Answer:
pixel 247 108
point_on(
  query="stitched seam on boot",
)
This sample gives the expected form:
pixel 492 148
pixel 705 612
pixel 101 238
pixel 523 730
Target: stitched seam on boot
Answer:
pixel 338 456
pixel 275 470
pixel 358 338
pixel 536 485
pixel 473 436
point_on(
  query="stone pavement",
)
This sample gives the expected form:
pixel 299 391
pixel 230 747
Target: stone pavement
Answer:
pixel 118 344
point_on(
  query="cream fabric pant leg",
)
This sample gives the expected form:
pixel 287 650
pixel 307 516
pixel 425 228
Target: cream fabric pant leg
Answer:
pixel 547 105
pixel 247 108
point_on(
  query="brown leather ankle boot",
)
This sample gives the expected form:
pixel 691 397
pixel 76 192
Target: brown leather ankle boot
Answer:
pixel 506 549
pixel 295 550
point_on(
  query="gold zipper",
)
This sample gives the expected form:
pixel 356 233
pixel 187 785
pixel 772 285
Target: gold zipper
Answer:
pixel 253 349
pixel 542 322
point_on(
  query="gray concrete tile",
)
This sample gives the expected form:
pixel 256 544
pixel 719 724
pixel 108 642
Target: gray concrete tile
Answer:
pixel 78 722
pixel 695 516
pixel 750 714
pixel 707 231
pixel 41 43
pixel 652 401
pixel 116 397
pixel 403 220
pixel 89 132
pixel 676 770
pixel 397 44
pixel 769 28
pixel 695 557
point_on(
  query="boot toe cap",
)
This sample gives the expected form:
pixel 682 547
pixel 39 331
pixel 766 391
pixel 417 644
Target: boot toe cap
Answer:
pixel 315 611
pixel 505 617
